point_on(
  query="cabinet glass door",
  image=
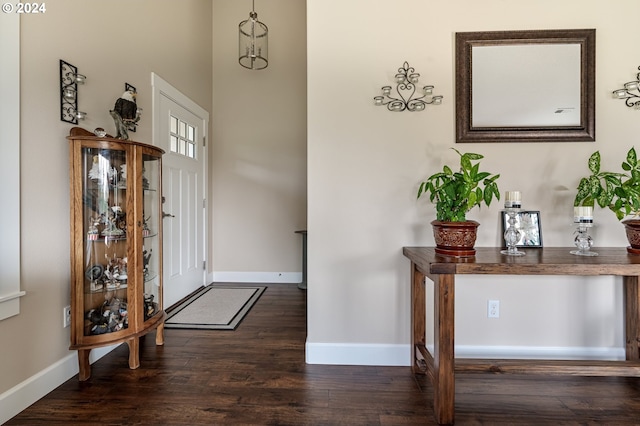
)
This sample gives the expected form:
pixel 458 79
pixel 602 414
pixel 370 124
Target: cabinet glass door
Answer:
pixel 106 240
pixel 151 231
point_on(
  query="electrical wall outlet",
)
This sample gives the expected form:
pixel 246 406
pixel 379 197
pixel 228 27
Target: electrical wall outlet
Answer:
pixel 493 309
pixel 66 316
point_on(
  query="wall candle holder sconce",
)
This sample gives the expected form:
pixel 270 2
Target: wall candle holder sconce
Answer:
pixel 406 81
pixel 630 93
pixel 69 81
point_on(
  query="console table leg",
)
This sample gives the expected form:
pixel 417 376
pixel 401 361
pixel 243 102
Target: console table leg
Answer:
pixel 418 310
pixel 444 379
pixel 632 317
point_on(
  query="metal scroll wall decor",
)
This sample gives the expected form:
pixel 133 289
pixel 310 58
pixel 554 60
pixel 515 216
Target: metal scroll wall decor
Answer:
pixel 630 93
pixel 406 96
pixel 69 81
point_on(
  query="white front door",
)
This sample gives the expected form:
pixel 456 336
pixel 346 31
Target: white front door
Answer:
pixel 181 133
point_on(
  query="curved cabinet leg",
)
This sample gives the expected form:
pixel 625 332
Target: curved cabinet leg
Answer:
pixel 160 335
pixel 83 364
pixel 134 353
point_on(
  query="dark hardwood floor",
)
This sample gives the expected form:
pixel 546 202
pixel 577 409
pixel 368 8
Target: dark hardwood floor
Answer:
pixel 257 375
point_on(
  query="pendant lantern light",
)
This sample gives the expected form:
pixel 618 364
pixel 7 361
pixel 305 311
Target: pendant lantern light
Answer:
pixel 253 42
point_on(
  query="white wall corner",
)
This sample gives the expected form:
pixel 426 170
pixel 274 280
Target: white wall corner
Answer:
pixel 358 354
pixel 10 305
pixel 10 275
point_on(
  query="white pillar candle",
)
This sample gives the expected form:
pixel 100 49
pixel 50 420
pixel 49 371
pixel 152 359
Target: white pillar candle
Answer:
pixel 512 200
pixel 583 214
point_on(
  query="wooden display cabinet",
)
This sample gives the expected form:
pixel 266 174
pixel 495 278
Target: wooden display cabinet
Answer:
pixel 116 244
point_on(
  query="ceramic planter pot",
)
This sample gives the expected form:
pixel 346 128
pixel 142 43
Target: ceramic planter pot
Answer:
pixel 456 238
pixel 632 227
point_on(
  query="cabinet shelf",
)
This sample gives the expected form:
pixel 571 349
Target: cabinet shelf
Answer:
pixel 115 185
pixel 106 289
pixel 105 239
pixel 111 238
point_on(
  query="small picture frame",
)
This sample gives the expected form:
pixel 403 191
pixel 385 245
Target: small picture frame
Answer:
pixel 529 223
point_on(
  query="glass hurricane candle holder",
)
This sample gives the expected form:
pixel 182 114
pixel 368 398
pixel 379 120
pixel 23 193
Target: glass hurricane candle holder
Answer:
pixel 512 204
pixel 512 234
pixel 583 220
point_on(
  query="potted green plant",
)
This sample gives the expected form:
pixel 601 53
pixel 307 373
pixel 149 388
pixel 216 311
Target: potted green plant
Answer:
pixel 617 191
pixel 455 194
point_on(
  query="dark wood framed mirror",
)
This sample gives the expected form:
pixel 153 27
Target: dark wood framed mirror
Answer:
pixel 525 86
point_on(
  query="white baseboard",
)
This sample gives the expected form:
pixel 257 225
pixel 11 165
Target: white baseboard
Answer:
pixel 539 352
pixel 35 387
pixel 255 277
pixel 358 354
pixel 400 355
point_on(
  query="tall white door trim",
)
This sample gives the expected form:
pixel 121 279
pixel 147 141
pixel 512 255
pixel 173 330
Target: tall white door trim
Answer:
pixel 162 93
pixel 162 88
pixel 10 292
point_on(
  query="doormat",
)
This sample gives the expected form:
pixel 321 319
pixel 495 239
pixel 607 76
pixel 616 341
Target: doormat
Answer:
pixel 214 308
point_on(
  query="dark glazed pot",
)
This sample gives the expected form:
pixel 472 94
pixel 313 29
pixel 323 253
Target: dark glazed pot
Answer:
pixel 455 238
pixel 632 227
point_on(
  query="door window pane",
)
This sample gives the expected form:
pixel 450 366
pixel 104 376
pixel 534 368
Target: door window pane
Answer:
pixel 182 138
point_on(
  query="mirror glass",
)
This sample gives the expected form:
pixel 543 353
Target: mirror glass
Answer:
pixel 525 86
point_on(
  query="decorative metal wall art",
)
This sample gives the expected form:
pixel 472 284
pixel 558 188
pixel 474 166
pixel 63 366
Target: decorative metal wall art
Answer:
pixel 407 96
pixel 630 93
pixel 69 81
pixel 128 87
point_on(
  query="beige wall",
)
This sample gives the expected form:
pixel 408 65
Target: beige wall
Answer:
pixel 259 150
pixel 365 164
pixel 111 42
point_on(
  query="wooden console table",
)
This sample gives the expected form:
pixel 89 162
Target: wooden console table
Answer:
pixel 441 365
